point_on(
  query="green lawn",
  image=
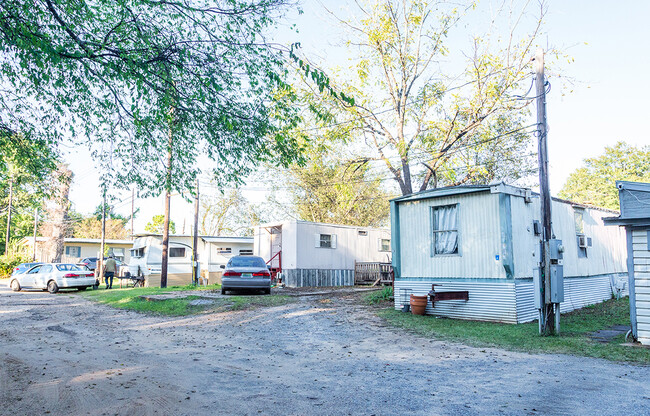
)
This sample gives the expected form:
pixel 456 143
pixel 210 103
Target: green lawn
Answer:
pixel 574 339
pixel 132 299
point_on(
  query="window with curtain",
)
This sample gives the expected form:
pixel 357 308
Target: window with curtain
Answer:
pixel 445 229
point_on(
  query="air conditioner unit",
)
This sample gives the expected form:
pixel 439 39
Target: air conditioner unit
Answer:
pixel 582 241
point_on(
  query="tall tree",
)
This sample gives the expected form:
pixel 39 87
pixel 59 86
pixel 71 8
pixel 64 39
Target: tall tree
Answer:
pixel 427 126
pixel 57 226
pixel 156 78
pixel 228 214
pixel 595 182
pixel 333 191
pixel 26 167
pixel 156 225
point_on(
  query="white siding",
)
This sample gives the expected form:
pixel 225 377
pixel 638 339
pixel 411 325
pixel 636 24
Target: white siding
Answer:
pixel 606 256
pixel 299 251
pixel 479 238
pixel 642 283
pixel 488 301
pixel 350 246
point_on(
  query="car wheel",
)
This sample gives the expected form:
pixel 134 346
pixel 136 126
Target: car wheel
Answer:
pixel 267 291
pixel 15 286
pixel 81 288
pixel 96 286
pixel 52 287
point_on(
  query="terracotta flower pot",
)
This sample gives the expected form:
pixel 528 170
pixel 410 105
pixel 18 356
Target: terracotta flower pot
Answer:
pixel 418 304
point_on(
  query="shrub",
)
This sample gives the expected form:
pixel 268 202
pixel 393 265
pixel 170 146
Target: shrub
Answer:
pixel 377 297
pixel 7 264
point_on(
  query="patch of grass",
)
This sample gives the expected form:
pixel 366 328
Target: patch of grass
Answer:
pixel 574 338
pixel 383 295
pixel 132 299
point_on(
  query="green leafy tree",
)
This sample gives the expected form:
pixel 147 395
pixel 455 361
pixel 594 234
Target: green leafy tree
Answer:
pixel 425 123
pixel 156 225
pixel 26 168
pixel 151 78
pixel 155 78
pixel 595 182
pixel 228 214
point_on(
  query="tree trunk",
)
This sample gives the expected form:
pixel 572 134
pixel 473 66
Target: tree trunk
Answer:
pixel 11 196
pixel 165 238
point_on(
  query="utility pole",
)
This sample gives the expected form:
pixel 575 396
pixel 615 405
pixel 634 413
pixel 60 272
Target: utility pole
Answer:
pixel 551 284
pixel 132 211
pixel 11 196
pixel 100 258
pixel 195 264
pixel 35 228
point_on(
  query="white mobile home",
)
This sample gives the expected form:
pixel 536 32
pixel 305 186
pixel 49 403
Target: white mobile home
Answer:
pixel 485 240
pixel 316 254
pixel 76 249
pixel 634 198
pixel 212 252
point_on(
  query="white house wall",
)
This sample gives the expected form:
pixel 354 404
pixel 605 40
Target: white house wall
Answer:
pixel 642 283
pixel 262 243
pixel 606 256
pixel 212 259
pixel 350 246
pixel 479 238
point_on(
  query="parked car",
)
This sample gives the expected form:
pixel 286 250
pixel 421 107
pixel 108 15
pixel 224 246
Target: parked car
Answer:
pixel 246 272
pixel 52 277
pixel 22 268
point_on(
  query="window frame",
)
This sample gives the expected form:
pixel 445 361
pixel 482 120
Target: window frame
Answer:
pixel 176 248
pixel 434 233
pixel 248 251
pixel 582 252
pixel 328 243
pixel 77 249
pixel 381 245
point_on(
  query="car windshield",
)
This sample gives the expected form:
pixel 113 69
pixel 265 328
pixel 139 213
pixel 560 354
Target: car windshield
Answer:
pixel 68 267
pixel 246 262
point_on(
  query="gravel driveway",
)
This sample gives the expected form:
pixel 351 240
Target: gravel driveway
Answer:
pixel 64 355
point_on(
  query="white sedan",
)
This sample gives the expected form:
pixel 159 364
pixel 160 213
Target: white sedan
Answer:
pixel 54 276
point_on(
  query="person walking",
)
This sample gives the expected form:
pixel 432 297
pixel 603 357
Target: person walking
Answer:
pixel 110 268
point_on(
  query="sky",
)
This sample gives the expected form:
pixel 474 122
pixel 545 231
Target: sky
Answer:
pixel 598 101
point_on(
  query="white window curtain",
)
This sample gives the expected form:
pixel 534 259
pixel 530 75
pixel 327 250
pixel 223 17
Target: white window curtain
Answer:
pixel 445 227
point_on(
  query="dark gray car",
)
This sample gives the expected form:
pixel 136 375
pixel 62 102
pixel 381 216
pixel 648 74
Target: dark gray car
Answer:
pixel 246 272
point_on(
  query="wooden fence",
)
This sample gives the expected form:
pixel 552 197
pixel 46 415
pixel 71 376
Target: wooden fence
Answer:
pixel 373 273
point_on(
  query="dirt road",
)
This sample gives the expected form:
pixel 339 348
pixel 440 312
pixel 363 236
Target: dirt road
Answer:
pixel 63 355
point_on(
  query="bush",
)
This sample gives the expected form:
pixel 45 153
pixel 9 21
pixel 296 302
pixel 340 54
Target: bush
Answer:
pixel 377 297
pixel 7 264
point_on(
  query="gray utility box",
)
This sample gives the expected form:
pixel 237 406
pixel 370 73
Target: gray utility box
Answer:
pixel 557 283
pixel 556 249
pixel 537 287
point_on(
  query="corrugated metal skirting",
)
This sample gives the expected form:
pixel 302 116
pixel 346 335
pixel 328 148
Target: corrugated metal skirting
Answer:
pixel 578 293
pixel 317 277
pixel 489 301
pixel 508 301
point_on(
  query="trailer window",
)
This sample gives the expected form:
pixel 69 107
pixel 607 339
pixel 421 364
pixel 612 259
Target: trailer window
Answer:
pixel 177 252
pixel 137 252
pixel 384 244
pixel 581 240
pixel 445 230
pixel 245 252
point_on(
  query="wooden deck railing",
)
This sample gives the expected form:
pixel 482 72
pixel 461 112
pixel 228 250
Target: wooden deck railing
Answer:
pixel 373 273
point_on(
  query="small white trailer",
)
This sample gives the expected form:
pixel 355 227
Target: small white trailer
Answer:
pixel 212 252
pixel 316 254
